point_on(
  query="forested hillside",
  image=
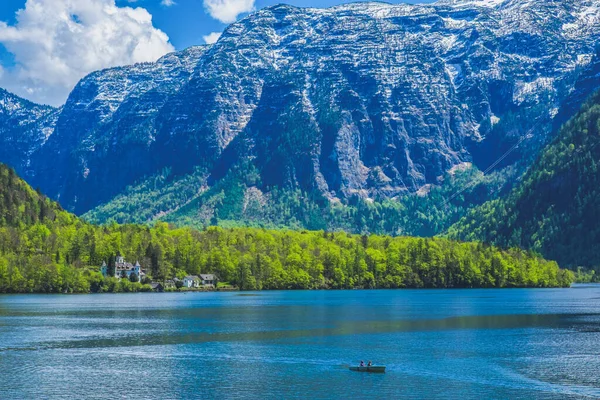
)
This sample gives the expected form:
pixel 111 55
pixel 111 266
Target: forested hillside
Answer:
pixel 556 208
pixel 237 201
pixel 21 206
pixel 45 249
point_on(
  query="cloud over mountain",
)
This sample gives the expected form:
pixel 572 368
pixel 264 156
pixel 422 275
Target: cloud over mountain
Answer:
pixel 212 37
pixel 227 11
pixel 57 42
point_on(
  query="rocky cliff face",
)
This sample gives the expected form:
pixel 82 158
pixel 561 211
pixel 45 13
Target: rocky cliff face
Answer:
pixel 24 129
pixel 369 99
pixel 103 137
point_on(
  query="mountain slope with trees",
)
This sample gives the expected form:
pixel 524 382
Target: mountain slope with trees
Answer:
pixel 237 201
pixel 556 209
pixel 45 249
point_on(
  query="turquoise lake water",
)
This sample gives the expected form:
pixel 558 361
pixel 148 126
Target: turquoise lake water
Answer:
pixel 461 344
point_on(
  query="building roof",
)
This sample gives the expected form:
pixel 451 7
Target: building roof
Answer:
pixel 207 277
pixel 120 266
pixel 191 277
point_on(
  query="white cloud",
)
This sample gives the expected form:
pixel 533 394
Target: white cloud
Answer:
pixel 168 3
pixel 212 37
pixel 227 11
pixel 57 42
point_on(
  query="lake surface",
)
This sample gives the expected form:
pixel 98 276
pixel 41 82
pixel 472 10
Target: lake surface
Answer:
pixel 476 344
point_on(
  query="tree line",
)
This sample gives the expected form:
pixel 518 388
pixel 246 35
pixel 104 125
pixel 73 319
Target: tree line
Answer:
pixel 45 249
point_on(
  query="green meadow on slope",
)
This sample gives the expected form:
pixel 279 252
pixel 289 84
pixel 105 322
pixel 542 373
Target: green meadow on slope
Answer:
pixel 237 201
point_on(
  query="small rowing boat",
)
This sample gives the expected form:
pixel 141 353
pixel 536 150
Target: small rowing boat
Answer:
pixel 372 368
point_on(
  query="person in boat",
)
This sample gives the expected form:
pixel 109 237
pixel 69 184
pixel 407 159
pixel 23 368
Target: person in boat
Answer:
pixel 362 363
pixel 370 364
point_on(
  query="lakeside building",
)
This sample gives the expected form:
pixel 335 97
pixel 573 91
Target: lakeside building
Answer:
pixel 124 269
pixel 191 281
pixel 207 281
pixel 170 284
pixel 157 287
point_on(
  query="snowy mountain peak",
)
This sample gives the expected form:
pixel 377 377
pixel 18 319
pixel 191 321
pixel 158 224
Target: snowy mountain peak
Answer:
pixel 471 3
pixel 367 99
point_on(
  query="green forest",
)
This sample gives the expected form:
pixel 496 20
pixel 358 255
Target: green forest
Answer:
pixel 45 249
pixel 555 210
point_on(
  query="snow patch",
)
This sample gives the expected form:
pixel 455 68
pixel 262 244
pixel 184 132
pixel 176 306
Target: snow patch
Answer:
pixel 47 132
pixel 531 90
pixel 584 59
pixel 590 14
pixel 475 3
pixel 452 23
pixel 448 42
pixel 455 71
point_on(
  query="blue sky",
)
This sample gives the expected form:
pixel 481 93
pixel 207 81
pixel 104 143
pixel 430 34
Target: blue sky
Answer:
pixel 42 54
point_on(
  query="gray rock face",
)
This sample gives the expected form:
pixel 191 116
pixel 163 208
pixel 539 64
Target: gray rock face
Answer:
pixel 24 128
pixel 365 99
pixel 104 137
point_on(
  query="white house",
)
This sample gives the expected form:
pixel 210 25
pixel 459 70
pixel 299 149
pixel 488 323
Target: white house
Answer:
pixel 191 281
pixel 124 269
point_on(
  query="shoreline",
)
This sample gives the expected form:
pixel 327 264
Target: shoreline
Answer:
pixel 573 286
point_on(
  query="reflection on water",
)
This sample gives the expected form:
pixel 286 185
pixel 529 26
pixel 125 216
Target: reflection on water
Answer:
pixel 448 344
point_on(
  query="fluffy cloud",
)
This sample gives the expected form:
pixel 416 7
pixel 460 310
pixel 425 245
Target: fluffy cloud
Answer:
pixel 57 42
pixel 167 3
pixel 212 37
pixel 227 11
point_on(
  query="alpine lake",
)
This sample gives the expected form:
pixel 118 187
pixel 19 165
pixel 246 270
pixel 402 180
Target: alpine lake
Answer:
pixel 451 344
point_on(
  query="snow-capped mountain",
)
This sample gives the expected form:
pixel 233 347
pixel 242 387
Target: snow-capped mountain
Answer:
pixel 24 128
pixel 370 99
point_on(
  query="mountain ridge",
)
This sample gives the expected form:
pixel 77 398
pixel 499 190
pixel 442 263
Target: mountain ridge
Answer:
pixel 369 99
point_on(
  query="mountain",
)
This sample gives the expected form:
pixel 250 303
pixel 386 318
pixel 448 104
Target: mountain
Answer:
pixel 24 128
pixel 555 209
pixel 321 106
pixel 104 136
